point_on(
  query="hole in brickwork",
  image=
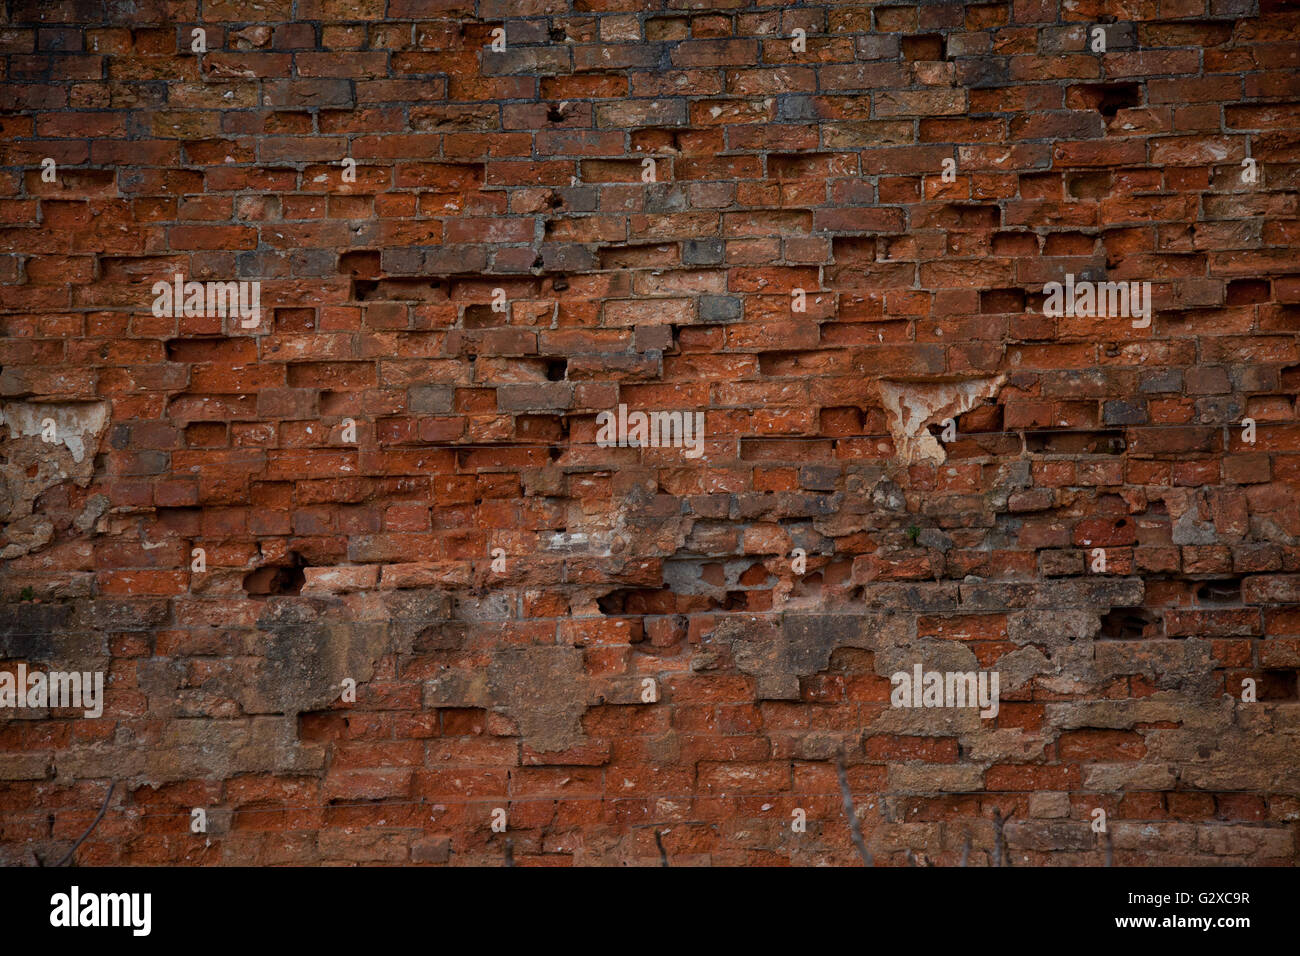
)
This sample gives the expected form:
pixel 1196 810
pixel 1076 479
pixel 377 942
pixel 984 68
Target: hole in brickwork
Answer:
pixel 321 726
pixel 895 19
pixel 1090 185
pixel 338 403
pixel 463 721
pixel 1218 591
pixel 637 601
pixel 482 317
pixel 685 141
pixel 1247 291
pixel 1278 685
pixel 1076 443
pixel 1002 300
pixel 852 660
pixel 283 579
pixel 1129 624
pixel 400 290
pixel 1291 378
pixel 979 421
pixel 361 264
pixel 839 574
pixel 556 369
pixel 1106 98
pixel 87 180
pixel 927 46
pixel 809 586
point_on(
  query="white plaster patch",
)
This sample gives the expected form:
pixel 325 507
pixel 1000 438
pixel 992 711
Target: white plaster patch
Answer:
pixel 76 423
pixel 911 407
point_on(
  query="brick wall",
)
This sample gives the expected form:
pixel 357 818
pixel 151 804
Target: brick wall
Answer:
pixel 837 247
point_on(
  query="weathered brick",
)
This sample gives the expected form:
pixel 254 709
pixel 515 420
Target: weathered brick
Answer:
pixel 421 468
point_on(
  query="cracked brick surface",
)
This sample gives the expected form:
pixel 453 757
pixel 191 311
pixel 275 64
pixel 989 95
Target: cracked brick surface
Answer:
pixel 394 477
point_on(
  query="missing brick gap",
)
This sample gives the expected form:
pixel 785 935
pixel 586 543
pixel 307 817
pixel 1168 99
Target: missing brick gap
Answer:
pixel 1109 98
pixel 1247 291
pixel 1099 442
pixel 1220 591
pixel 736 601
pixel 1129 624
pixel 925 47
pixel 1279 684
pixel 360 264
pixel 999 301
pixel 1088 185
pixel 624 601
pixel 278 579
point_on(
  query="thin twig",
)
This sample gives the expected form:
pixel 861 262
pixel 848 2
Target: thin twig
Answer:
pixel 102 810
pixel 1110 849
pixel 510 852
pixel 663 854
pixel 965 850
pixel 854 830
